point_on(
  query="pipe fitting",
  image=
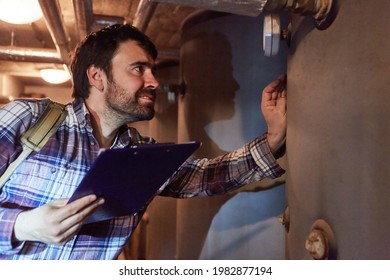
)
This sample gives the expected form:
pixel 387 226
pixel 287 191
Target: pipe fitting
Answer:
pixel 305 7
pixel 317 244
pixel 321 241
pixel 322 8
pixel 322 11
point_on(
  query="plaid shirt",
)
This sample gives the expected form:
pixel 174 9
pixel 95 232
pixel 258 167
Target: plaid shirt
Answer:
pixel 56 170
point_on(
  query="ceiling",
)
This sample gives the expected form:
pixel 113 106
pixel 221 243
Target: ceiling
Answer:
pixel 27 48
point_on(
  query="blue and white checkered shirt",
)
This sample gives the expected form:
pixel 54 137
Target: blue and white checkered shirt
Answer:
pixel 56 170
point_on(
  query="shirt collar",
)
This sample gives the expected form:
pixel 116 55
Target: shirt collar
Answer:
pixel 81 112
pixel 123 138
pixel 83 116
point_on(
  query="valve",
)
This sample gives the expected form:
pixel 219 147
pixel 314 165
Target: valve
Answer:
pixel 273 34
pixel 323 13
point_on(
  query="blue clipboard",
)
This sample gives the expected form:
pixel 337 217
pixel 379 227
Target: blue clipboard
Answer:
pixel 129 178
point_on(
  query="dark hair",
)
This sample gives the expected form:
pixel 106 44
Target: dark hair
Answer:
pixel 98 49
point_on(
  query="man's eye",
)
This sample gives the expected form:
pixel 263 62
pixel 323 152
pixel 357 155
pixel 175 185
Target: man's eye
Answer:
pixel 139 69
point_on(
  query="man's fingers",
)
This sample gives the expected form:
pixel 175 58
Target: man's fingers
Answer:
pixel 284 93
pixel 59 202
pixel 283 78
pixel 64 210
pixel 282 83
pixel 76 221
pixel 275 87
pixel 282 101
pixel 82 207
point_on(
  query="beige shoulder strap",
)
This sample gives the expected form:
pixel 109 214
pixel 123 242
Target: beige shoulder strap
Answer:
pixel 36 137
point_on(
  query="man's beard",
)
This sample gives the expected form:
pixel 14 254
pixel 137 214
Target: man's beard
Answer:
pixel 124 105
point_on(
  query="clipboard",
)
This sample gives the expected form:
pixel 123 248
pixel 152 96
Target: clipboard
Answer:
pixel 128 178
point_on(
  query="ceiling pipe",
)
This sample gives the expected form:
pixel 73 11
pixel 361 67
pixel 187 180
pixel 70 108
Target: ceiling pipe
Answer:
pixel 83 11
pixel 100 21
pixel 142 18
pixel 247 8
pixel 52 13
pixel 44 55
pixel 144 13
pixel 36 55
pixel 319 9
pixel 84 16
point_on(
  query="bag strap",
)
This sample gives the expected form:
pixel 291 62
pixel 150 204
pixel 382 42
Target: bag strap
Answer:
pixel 37 136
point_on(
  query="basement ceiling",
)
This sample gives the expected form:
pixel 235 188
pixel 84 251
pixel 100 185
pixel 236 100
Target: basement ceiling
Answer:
pixel 27 48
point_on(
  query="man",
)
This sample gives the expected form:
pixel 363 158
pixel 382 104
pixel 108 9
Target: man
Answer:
pixel 114 85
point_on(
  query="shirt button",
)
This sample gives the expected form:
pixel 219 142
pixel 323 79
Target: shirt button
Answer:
pixel 53 170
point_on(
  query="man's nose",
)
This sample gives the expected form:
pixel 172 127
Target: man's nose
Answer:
pixel 151 81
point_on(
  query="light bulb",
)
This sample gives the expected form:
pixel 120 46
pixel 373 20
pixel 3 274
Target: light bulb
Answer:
pixel 55 76
pixel 20 11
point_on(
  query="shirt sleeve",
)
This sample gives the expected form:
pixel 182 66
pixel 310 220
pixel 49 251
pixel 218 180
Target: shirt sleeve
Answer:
pixel 207 177
pixel 15 118
pixel 7 221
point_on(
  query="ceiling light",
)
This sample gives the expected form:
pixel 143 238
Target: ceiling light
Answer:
pixel 55 76
pixel 20 11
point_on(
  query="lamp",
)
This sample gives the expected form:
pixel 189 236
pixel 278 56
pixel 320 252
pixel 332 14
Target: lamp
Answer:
pixel 55 76
pixel 20 11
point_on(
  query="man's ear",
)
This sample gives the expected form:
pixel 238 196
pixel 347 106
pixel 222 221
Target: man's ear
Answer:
pixel 96 77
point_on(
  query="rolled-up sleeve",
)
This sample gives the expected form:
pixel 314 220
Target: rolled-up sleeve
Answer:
pixel 207 177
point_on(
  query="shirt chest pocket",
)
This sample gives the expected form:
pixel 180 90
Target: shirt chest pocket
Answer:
pixel 39 182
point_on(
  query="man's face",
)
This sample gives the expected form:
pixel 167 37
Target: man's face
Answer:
pixel 131 88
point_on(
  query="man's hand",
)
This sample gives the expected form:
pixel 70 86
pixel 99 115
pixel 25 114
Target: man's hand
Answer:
pixel 273 106
pixel 55 222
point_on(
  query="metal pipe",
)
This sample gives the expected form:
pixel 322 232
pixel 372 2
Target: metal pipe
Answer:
pixel 100 21
pixel 53 18
pixel 317 8
pixel 278 4
pixel 29 55
pixel 84 16
pixel 83 10
pixel 247 8
pixel 144 13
